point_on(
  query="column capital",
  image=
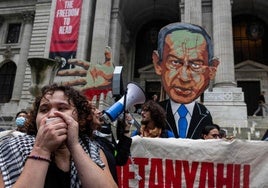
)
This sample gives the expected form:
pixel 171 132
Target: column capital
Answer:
pixel 8 53
pixel 28 16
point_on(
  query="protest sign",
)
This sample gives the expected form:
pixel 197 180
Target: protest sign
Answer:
pixel 170 162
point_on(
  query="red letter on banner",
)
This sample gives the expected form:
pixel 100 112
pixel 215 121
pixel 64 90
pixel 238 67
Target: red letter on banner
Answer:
pixel 173 176
pixel 228 180
pixel 141 162
pixel 156 174
pixel 207 175
pixel 237 177
pixel 190 174
pixel 126 175
pixel 246 176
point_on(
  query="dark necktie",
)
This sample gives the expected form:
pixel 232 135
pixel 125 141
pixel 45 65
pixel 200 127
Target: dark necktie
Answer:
pixel 182 110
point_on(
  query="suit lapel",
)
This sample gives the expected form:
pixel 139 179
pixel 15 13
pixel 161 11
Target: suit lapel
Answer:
pixel 171 125
pixel 197 118
pixel 172 120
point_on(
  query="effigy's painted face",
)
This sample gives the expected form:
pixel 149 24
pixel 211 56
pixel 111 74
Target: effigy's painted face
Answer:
pixel 184 68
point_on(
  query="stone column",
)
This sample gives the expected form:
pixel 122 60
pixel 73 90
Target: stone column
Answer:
pixel 225 101
pixel 101 30
pixel 24 50
pixel 193 12
pixel 223 42
pixel 115 32
pixel 84 28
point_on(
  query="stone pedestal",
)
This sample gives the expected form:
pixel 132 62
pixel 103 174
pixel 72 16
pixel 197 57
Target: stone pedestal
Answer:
pixel 227 106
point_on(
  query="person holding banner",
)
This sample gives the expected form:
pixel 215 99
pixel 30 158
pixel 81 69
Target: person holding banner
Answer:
pixel 153 122
pixel 57 150
pixel 185 62
pixel 211 132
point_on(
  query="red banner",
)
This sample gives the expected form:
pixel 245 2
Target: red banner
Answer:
pixel 65 30
pixel 66 26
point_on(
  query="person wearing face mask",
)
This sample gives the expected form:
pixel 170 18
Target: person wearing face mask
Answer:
pixel 21 117
pixel 20 120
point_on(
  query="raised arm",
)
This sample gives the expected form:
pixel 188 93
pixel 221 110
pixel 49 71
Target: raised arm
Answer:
pixel 89 173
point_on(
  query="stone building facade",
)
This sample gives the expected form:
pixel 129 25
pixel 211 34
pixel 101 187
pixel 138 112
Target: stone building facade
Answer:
pixel 238 29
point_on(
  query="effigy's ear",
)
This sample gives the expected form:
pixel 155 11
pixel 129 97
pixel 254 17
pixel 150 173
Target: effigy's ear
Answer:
pixel 108 53
pixel 213 68
pixel 157 67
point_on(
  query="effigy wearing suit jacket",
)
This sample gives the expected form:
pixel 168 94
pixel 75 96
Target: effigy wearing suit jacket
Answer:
pixel 200 118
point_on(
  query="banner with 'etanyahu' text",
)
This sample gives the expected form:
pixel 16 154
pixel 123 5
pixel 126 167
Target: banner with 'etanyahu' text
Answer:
pixel 65 30
pixel 179 163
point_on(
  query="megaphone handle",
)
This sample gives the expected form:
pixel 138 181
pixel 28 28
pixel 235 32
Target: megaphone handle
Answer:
pixel 125 102
pixel 121 128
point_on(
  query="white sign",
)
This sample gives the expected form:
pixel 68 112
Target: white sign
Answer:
pixel 171 162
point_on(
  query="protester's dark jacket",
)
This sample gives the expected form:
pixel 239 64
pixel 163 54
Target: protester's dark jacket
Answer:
pixel 117 154
pixel 200 118
pixel 261 99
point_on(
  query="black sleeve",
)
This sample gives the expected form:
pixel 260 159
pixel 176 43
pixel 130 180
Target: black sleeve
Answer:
pixel 123 150
pixel 261 99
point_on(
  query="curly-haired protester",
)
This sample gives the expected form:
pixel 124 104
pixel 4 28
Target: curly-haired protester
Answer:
pixel 57 151
pixel 153 122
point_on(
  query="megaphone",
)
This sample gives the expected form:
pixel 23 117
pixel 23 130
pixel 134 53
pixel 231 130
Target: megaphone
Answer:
pixel 134 95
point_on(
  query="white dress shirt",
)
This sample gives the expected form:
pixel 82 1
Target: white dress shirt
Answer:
pixel 190 108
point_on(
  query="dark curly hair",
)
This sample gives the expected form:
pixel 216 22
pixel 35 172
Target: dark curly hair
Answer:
pixel 208 128
pixel 158 114
pixel 80 102
pixel 20 112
